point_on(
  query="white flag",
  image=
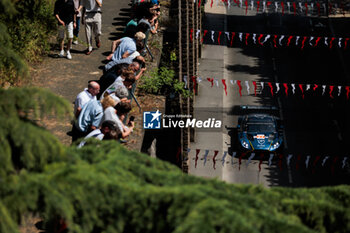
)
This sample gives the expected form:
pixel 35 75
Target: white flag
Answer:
pixel 264 6
pixel 247 85
pixel 223 158
pixel 205 156
pixel 280 40
pixel 233 82
pixel 323 89
pixel 344 162
pixel 240 36
pixel 217 82
pixel 339 90
pixel 270 159
pixel 185 80
pixel 324 8
pixel 212 36
pixel 339 42
pixel 326 41
pixel 227 35
pixel 307 161
pixel 276 7
pixel 199 79
pixel 262 87
pixel 297 40
pixel 254 38
pixel 311 38
pixel 308 86
pixel 252 5
pixel 197 33
pixel 324 160
pixel 250 159
pixel 288 4
pixel 266 38
pixel 288 159
pixel 277 87
pixel 293 88
pixel 301 7
pixel 233 155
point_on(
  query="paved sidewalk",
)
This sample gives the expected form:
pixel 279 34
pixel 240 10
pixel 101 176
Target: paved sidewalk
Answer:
pixel 67 78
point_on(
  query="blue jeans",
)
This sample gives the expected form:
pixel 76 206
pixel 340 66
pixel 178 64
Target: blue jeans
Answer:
pixel 76 30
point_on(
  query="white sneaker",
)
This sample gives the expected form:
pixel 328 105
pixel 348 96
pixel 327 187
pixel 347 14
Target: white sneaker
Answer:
pixel 75 42
pixel 68 55
pixel 61 54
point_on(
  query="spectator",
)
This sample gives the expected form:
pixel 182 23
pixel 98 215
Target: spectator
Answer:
pixel 76 30
pixel 85 96
pixel 120 95
pixel 117 114
pixel 108 130
pixel 93 22
pixel 108 101
pixel 130 28
pixel 127 79
pixel 128 60
pixel 147 19
pixel 112 135
pixel 89 118
pixel 64 12
pixel 125 46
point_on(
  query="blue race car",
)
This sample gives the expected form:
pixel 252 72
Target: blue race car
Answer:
pixel 259 132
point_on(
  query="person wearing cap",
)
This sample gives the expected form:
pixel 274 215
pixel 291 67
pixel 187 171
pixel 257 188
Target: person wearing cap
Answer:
pixel 125 46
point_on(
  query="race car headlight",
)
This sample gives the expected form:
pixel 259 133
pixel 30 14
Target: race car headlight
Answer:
pixel 275 146
pixel 245 144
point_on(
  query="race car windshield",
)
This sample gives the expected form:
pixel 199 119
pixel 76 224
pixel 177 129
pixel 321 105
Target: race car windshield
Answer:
pixel 261 127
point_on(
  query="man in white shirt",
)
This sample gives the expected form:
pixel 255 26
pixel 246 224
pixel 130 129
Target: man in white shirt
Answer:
pixel 85 96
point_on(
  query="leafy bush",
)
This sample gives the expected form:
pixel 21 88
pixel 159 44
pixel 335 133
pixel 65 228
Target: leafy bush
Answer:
pixel 25 28
pixel 105 188
pixel 163 81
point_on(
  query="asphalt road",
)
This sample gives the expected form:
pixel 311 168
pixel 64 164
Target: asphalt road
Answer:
pixel 316 126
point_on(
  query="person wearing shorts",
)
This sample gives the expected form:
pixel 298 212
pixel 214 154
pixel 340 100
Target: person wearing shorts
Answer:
pixel 65 14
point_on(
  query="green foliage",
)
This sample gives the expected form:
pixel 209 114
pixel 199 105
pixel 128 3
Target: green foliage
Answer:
pixel 173 56
pixel 103 187
pixel 163 81
pixel 25 28
pixel 9 59
pixel 23 143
